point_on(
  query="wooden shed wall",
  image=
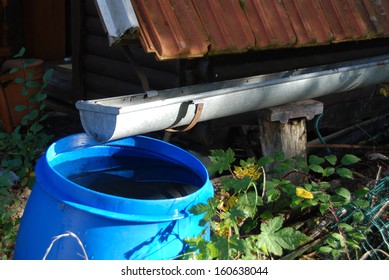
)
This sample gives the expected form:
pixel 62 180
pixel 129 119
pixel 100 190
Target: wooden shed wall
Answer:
pixel 100 70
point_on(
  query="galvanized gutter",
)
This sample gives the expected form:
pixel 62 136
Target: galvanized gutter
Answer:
pixel 118 117
pixel 119 20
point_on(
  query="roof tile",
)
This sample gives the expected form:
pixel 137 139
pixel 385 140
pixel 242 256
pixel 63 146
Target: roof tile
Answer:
pixel 193 28
pixel 171 29
pixel 226 25
pixel 269 23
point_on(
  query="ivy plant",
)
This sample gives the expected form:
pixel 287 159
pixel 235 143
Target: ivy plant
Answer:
pixel 19 151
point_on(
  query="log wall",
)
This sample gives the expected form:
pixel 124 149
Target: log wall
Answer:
pixel 100 70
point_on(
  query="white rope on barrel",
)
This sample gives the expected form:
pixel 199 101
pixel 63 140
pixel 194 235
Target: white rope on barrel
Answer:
pixel 67 234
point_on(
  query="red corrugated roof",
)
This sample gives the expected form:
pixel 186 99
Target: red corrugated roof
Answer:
pixel 192 28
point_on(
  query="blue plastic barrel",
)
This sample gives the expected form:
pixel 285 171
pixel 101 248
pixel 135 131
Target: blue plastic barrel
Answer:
pixel 127 199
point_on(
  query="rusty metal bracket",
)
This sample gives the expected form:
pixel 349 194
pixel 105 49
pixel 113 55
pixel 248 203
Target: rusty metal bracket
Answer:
pixel 198 112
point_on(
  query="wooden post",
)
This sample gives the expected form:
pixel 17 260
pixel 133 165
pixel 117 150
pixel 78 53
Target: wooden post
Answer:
pixel 283 128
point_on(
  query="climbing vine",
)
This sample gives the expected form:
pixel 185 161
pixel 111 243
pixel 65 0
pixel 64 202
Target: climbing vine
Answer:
pixel 273 207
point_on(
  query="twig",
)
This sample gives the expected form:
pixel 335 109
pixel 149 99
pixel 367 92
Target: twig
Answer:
pixel 314 234
pixel 386 204
pixel 67 234
pixel 348 129
pixel 379 174
pixel 348 146
pixel 264 182
pixel 365 255
pixel 341 232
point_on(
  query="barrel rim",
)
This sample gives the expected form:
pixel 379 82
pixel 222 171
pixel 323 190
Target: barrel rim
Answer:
pixel 107 205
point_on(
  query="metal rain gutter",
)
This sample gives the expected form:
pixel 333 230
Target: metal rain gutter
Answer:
pixel 118 117
pixel 119 20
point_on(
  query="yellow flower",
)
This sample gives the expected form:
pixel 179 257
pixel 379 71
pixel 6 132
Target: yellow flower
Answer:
pixel 226 201
pixel 220 229
pixel 300 192
pixel 251 171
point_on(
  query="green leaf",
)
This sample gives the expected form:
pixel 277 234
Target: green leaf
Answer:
pixel 20 108
pixel 19 80
pixel 39 96
pixel 323 197
pixel 221 160
pixel 29 61
pixel 324 207
pixel 14 163
pixel 279 156
pixel 316 168
pixel 36 127
pixel 25 90
pixel 340 238
pixel 20 53
pixel 344 172
pixel 265 160
pixel 234 214
pixel 229 183
pixel 33 84
pixel 332 242
pixel 361 203
pixel 248 202
pixel 349 159
pixel 237 246
pixel 266 215
pixel 325 250
pixel 324 185
pixel 30 75
pixel 249 224
pixel 43 117
pixel 357 235
pixel 246 163
pixel 308 203
pixel 332 159
pixel 361 193
pixel 335 253
pixel 345 193
pixel 353 244
pixel 328 171
pixel 273 238
pixel 218 248
pixel 358 217
pixel 346 227
pixel 33 114
pixel 14 70
pixel 315 160
pixel 272 195
pixel 48 74
pixel 199 209
pixel 210 209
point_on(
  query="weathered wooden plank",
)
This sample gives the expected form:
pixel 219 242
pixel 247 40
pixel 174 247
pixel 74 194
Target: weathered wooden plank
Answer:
pixel 125 72
pixel 95 95
pixel 344 109
pixel 289 138
pixel 98 46
pixel 307 109
pixel 94 26
pixel 90 8
pixel 78 35
pixel 60 85
pixel 108 87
